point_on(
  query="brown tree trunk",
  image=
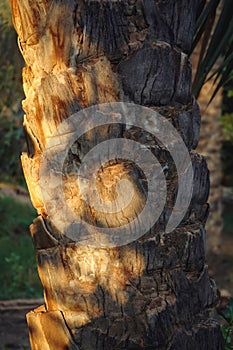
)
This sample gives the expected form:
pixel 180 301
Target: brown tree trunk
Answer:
pixel 153 293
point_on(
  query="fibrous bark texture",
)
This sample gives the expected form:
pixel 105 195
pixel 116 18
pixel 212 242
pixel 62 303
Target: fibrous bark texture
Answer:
pixel 153 293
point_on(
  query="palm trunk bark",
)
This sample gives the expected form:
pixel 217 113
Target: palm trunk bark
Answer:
pixel 153 293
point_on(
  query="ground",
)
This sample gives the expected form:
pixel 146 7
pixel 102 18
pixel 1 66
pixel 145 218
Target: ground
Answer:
pixel 13 327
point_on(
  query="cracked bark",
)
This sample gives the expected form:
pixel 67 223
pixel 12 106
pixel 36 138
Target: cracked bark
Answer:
pixel 154 293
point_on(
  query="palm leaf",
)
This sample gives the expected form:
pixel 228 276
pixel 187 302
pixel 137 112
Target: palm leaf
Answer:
pixel 217 46
pixel 204 13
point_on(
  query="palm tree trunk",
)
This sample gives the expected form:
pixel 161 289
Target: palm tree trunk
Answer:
pixel 153 293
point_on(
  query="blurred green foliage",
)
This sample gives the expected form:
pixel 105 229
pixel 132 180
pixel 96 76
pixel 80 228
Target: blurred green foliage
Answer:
pixel 19 277
pixel 11 95
pixel 11 62
pixel 15 216
pixel 227 126
pixel 5 11
pixel 227 117
pixel 227 327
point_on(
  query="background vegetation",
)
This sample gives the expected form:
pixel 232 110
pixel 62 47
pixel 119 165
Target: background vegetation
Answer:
pixel 18 277
pixel 11 95
pixel 18 272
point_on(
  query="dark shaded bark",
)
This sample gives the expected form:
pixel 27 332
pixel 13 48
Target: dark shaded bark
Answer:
pixel 154 293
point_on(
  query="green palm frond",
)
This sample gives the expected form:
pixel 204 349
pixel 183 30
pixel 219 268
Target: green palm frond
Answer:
pixel 216 40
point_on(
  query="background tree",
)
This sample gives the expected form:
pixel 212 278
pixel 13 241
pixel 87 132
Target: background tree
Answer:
pixel 154 293
pixel 11 94
pixel 212 63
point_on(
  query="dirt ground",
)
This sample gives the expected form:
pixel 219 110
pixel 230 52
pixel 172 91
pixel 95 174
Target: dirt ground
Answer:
pixel 13 326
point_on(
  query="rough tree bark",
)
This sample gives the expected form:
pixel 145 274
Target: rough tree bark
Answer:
pixel 154 293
